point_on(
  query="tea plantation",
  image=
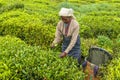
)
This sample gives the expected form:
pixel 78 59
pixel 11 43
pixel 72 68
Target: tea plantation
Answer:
pixel 27 28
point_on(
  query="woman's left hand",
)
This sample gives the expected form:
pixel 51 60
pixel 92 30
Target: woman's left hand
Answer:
pixel 62 55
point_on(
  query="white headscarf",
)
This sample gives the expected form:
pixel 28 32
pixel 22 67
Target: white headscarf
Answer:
pixel 66 12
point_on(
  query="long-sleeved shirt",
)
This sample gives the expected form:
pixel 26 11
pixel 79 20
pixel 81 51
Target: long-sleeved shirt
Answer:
pixel 73 31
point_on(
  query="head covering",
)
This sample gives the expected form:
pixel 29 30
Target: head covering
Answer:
pixel 66 12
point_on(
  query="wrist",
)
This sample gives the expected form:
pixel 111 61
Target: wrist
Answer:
pixel 65 53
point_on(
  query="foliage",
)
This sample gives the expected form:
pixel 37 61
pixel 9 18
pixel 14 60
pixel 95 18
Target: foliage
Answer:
pixel 116 46
pixel 4 71
pixel 34 21
pixel 95 7
pixel 11 7
pixel 35 24
pixel 86 44
pixel 105 42
pixel 27 27
pixel 112 71
pixel 21 61
pixel 100 25
pixel 104 13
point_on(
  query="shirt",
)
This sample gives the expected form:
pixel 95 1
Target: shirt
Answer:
pixel 73 31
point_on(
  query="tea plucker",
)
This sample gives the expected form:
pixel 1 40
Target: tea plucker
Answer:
pixel 67 31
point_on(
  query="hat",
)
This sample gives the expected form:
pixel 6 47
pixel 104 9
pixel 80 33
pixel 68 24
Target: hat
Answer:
pixel 66 12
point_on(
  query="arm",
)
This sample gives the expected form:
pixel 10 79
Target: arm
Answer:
pixel 58 34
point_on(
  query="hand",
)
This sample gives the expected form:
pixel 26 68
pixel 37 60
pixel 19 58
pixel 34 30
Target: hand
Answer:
pixel 63 54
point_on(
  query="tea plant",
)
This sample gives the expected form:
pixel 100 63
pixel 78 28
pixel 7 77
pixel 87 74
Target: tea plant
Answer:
pixel 21 61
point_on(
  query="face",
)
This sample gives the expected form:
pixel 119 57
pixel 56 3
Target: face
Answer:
pixel 66 19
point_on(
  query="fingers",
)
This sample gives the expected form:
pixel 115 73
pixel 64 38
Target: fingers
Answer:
pixel 62 55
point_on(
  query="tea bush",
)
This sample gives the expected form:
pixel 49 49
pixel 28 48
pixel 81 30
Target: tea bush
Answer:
pixel 100 25
pixel 86 44
pixel 37 28
pixel 34 22
pixel 30 62
pixel 105 42
pixel 104 13
pixel 101 41
pixel 27 27
pixel 112 71
pixel 11 7
pixel 116 46
pixel 95 7
pixel 4 71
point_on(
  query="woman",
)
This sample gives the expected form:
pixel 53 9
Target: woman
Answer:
pixel 68 30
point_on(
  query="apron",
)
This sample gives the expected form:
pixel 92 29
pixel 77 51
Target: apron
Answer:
pixel 75 52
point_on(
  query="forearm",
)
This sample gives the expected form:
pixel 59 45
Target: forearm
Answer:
pixel 72 44
pixel 58 34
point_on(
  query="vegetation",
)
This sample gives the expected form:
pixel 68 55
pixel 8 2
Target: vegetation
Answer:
pixel 27 29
